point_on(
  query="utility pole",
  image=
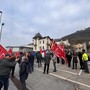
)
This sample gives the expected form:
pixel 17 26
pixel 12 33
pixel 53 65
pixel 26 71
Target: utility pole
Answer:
pixel 0 16
pixel 1 31
pixel 1 25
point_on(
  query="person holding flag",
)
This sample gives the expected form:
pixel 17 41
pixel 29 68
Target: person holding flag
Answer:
pixel 58 50
pixel 5 68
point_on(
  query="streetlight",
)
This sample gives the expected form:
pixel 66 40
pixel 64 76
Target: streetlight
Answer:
pixel 1 30
pixel 0 16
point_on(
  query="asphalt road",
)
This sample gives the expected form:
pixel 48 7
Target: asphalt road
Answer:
pixel 64 79
pixel 39 81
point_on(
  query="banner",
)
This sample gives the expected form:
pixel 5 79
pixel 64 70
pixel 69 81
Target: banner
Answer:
pixel 3 51
pixel 58 50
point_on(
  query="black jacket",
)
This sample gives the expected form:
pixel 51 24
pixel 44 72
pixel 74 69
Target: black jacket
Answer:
pixel 47 58
pixel 5 66
pixel 23 74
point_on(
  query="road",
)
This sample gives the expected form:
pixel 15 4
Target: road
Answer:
pixel 64 79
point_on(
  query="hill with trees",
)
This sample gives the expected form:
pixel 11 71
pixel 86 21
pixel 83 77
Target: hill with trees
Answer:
pixel 78 37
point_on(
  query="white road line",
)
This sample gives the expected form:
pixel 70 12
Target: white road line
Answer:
pixel 68 72
pixel 67 79
pixel 80 72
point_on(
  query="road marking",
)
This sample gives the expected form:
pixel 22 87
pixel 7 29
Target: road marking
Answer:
pixel 68 72
pixel 76 82
pixel 80 72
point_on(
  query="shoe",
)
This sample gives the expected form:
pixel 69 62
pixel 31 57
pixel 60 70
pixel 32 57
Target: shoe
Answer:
pixel 47 72
pixel 86 72
pixel 54 70
pixel 43 72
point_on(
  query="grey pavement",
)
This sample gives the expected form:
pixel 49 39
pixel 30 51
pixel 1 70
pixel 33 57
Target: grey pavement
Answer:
pixel 64 79
pixel 12 86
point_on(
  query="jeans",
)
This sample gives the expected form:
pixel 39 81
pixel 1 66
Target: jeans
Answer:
pixel 46 65
pixel 54 64
pixel 5 81
pixel 23 85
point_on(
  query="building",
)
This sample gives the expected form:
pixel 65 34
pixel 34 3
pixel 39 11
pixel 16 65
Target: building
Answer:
pixel 20 48
pixel 59 41
pixel 40 42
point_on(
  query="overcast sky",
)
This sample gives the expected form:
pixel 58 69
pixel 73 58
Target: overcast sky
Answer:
pixel 54 18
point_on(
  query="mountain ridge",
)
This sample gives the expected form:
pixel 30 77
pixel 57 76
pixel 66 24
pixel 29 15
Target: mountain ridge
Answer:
pixel 77 37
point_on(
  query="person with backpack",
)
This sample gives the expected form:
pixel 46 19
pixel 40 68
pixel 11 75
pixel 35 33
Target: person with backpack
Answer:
pixel 23 72
pixel 39 59
pixel 75 60
pixel 47 62
pixel 69 57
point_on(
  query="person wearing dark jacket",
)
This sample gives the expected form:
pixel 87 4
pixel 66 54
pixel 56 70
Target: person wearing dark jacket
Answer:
pixel 31 61
pixel 23 73
pixel 12 58
pixel 80 59
pixel 69 57
pixel 75 60
pixel 39 58
pixel 5 68
pixel 47 62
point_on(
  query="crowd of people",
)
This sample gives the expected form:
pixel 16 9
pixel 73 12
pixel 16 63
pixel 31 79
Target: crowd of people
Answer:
pixel 26 64
pixel 80 57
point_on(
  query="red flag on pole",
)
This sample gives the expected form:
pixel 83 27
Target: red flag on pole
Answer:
pixel 63 51
pixel 17 54
pixel 58 50
pixel 3 51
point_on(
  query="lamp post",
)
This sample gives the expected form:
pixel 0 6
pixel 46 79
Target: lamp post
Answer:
pixel 1 30
pixel 0 16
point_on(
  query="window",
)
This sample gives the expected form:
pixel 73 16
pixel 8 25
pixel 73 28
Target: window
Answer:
pixel 43 41
pixel 40 42
pixel 40 47
pixel 43 47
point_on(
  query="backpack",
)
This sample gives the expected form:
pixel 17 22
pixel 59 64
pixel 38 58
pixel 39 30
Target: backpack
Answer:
pixel 28 68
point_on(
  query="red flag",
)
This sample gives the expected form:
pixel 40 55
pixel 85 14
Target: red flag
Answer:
pixel 41 51
pixel 3 51
pixel 58 50
pixel 17 54
pixel 10 51
pixel 63 51
pixel 44 52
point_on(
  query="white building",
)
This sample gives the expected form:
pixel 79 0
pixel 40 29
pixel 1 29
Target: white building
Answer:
pixel 40 42
pixel 66 42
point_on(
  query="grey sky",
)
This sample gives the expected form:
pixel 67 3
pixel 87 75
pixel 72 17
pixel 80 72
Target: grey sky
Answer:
pixel 56 18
